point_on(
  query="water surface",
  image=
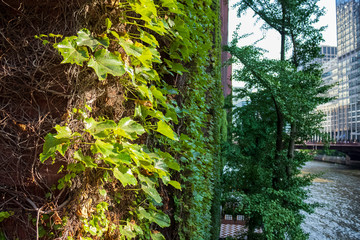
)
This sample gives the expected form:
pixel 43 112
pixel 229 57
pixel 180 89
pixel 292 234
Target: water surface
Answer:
pixel 339 190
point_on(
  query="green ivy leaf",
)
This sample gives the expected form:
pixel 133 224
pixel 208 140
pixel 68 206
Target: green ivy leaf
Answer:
pixel 171 113
pixel 165 129
pixel 157 236
pixel 127 231
pixel 102 192
pixel 124 175
pixel 169 160
pixel 108 23
pixel 146 58
pixel 156 58
pixel 105 62
pixel 156 26
pixel 129 128
pixel 99 129
pixel 71 52
pixel 130 48
pixel 147 73
pixel 158 217
pixel 145 91
pixel 87 160
pixel 4 215
pixel 159 115
pixel 146 8
pixel 175 184
pixel 152 192
pixel 106 149
pixel 157 94
pixel 148 38
pixel 51 145
pixel 160 167
pixel 176 67
pixel 118 159
pixel 171 5
pixel 63 132
pixel 85 39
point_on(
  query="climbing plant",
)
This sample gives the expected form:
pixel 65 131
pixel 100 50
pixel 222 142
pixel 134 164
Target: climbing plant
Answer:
pixel 169 146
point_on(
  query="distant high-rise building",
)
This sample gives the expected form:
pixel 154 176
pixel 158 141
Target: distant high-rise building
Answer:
pixel 329 53
pixel 330 77
pixel 343 114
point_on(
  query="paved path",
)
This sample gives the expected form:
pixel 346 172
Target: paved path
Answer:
pixel 228 230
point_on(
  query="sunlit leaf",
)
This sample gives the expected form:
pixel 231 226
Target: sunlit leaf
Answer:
pixel 146 57
pixel 157 26
pixel 171 5
pixel 86 39
pixel 148 38
pixel 71 52
pixel 130 48
pixel 160 167
pixel 106 149
pixel 152 192
pixel 87 160
pixel 158 217
pixel 165 129
pixel 157 94
pixel 129 128
pixel 146 8
pixel 63 132
pixel 118 158
pixel 100 129
pixel 175 184
pixel 125 176
pixel 108 23
pixel 145 91
pixel 51 145
pixel 169 160
pixel 105 62
pixel 127 231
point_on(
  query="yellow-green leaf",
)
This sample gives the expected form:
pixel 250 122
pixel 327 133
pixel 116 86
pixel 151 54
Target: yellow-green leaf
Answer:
pixel 86 39
pixel 125 176
pixel 175 184
pixel 152 192
pixel 71 52
pixel 105 62
pixel 165 129
pixel 158 217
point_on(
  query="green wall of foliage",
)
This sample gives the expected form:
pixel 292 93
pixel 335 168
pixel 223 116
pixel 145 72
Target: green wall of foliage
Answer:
pixel 156 171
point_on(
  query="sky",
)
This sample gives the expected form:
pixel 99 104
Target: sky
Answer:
pixel 249 25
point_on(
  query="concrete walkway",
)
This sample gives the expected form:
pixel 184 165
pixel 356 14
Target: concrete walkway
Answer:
pixel 230 230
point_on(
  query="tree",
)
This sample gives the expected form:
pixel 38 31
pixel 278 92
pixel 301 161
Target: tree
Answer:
pixel 282 95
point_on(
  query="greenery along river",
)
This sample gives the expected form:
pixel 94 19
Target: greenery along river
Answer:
pixel 339 190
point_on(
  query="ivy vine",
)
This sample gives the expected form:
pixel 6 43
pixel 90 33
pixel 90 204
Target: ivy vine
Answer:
pixel 116 150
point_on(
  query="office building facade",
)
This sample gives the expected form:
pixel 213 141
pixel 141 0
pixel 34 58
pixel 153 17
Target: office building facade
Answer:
pixel 343 114
pixel 329 53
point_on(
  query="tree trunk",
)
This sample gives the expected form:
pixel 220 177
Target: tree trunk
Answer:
pixel 283 32
pixel 291 146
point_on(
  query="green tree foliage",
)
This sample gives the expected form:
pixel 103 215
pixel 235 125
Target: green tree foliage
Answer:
pixel 281 98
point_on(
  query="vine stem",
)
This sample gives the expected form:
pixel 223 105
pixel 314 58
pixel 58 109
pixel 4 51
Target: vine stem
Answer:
pixel 37 223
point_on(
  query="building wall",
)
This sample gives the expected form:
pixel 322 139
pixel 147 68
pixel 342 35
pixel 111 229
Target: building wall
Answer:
pixel 345 111
pixel 226 70
pixel 329 53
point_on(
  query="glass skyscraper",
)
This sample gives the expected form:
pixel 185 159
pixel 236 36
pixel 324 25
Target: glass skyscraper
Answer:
pixel 343 114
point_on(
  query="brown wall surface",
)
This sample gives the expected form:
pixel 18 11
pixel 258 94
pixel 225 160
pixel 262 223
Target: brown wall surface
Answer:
pixel 225 71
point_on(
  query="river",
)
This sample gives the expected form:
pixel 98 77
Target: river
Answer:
pixel 338 189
